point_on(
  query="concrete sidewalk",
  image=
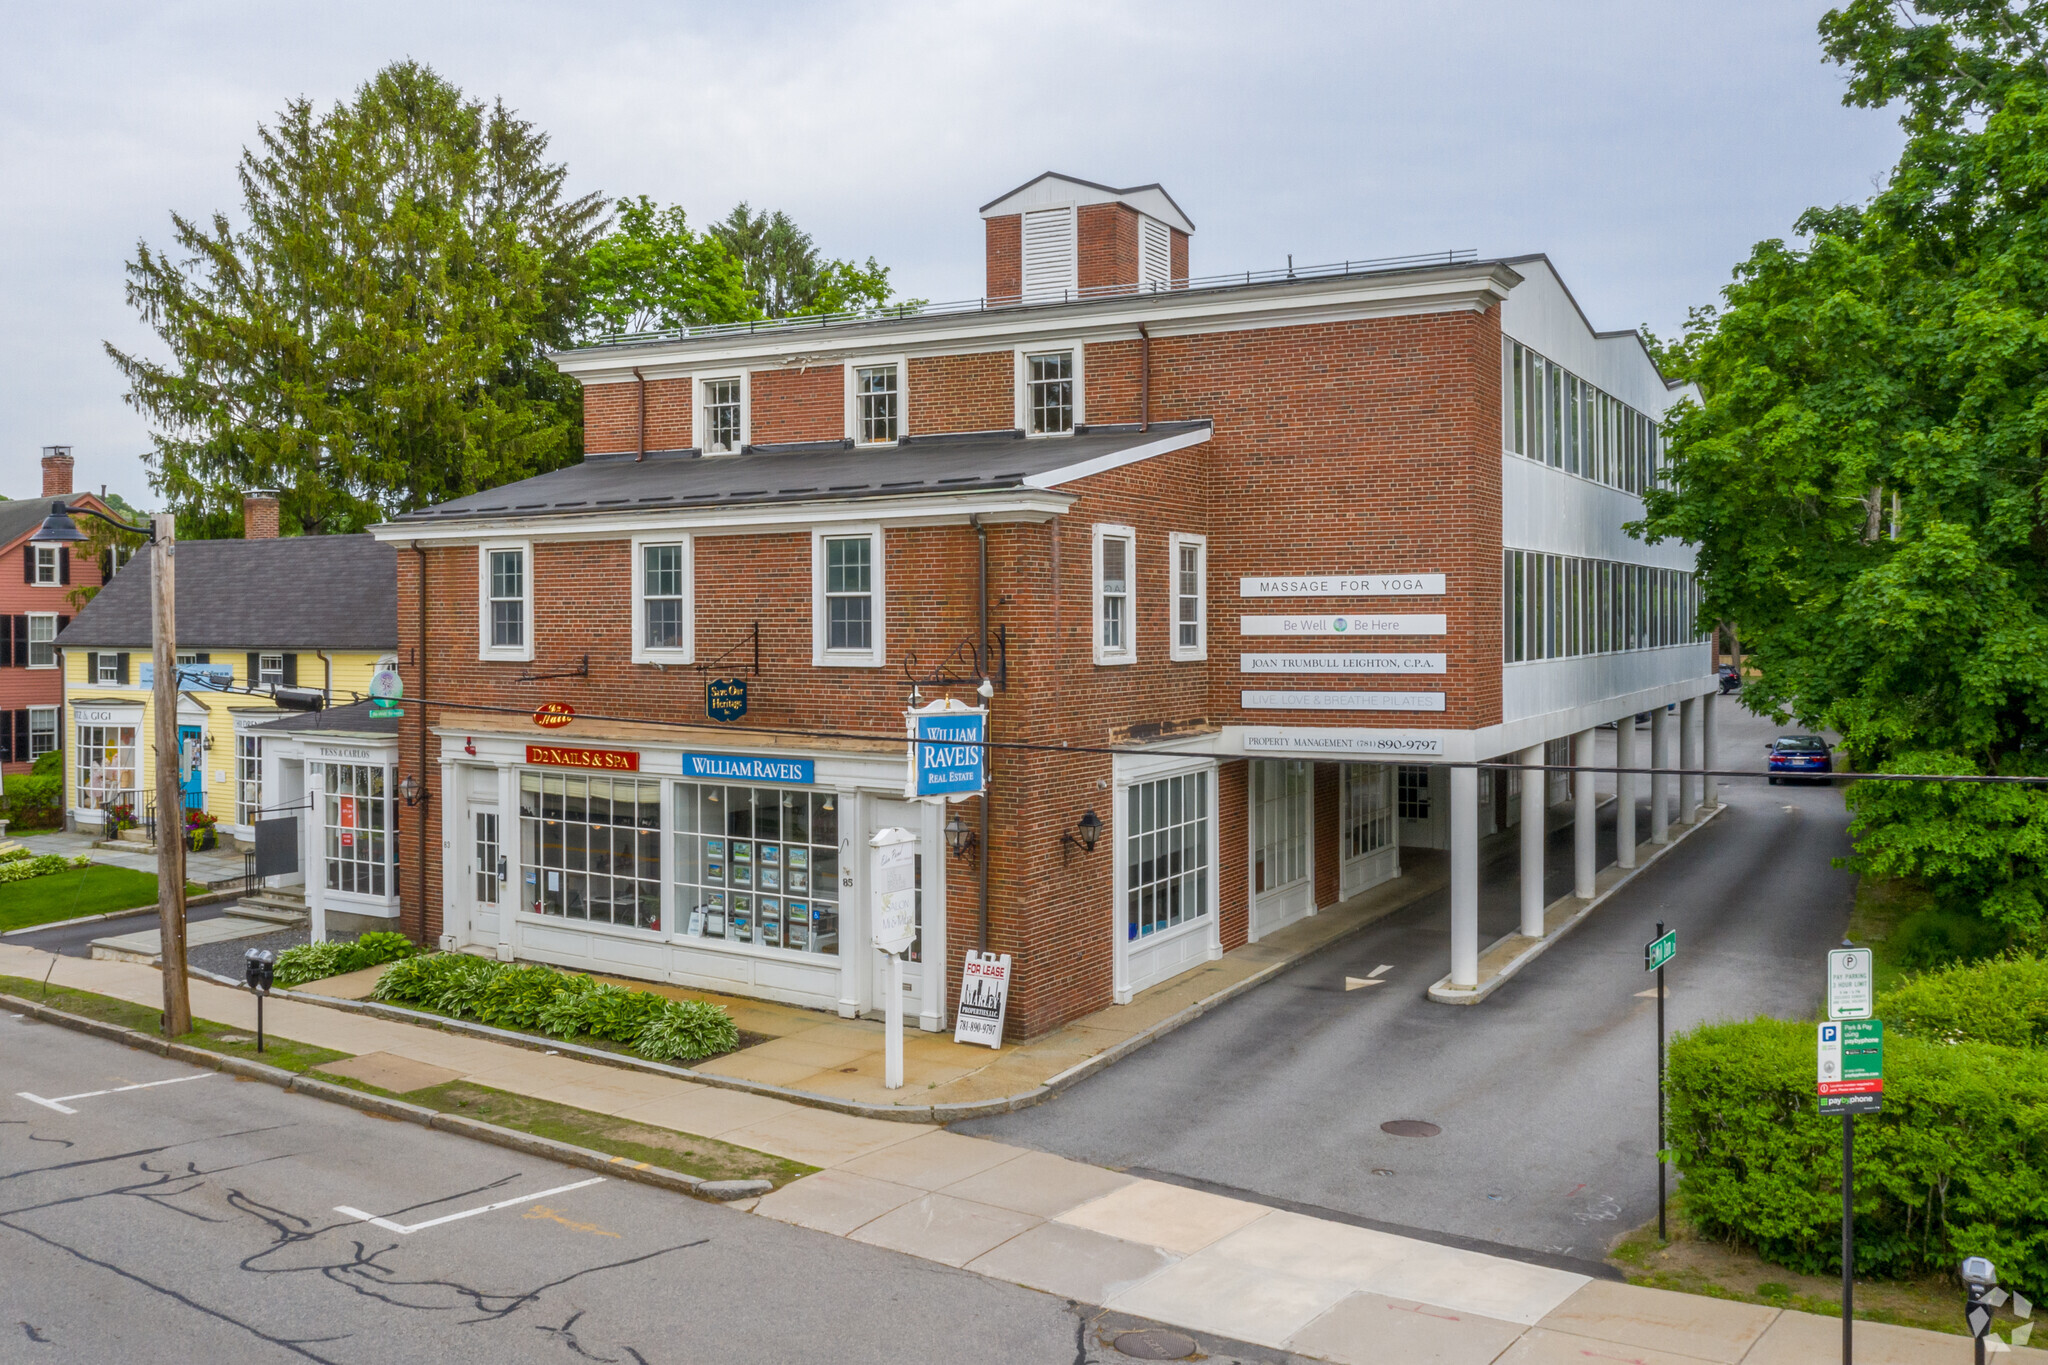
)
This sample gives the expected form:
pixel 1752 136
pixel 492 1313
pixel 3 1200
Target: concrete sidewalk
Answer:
pixel 207 869
pixel 1320 1288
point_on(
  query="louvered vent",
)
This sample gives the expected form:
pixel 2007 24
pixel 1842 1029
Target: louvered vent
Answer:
pixel 1155 254
pixel 1049 267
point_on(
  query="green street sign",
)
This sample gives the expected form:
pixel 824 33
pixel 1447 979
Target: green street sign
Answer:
pixel 1862 1049
pixel 1660 951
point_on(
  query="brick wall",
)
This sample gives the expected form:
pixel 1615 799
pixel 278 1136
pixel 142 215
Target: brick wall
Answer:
pixel 1106 244
pixel 805 404
pixel 1005 236
pixel 1179 268
pixel 1327 850
pixel 611 416
pixel 961 393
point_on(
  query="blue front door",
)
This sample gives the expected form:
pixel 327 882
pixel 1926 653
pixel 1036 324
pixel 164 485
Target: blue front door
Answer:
pixel 191 769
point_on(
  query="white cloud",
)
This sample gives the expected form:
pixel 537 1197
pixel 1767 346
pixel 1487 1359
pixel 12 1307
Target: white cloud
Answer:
pixel 1644 147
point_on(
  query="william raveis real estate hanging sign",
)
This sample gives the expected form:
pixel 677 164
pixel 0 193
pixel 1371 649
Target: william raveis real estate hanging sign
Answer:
pixel 947 750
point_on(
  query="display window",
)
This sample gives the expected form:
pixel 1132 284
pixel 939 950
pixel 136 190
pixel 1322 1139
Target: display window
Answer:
pixel 106 766
pixel 1166 843
pixel 590 848
pixel 758 865
pixel 357 821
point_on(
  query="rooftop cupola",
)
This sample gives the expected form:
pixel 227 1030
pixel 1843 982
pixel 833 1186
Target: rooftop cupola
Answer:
pixel 1058 238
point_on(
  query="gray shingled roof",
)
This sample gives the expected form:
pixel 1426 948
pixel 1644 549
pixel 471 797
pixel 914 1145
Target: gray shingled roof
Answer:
pixel 831 471
pixel 20 516
pixel 297 592
pixel 353 719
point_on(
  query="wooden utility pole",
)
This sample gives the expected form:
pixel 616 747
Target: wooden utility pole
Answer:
pixel 170 802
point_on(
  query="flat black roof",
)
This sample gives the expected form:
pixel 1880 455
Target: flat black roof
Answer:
pixel 352 719
pixel 831 471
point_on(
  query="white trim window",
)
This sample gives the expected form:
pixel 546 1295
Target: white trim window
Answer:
pixel 875 402
pixel 847 616
pixel 505 600
pixel 42 730
pixel 248 779
pixel 722 413
pixel 664 600
pixel 1116 554
pixel 42 639
pixel 1190 596
pixel 46 571
pixel 106 669
pixel 1049 392
pixel 1166 851
pixel 269 670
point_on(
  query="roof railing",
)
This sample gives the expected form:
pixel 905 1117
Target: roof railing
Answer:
pixel 1041 298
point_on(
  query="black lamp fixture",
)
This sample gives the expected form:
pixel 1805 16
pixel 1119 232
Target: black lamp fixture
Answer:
pixel 59 529
pixel 1083 835
pixel 963 841
pixel 411 790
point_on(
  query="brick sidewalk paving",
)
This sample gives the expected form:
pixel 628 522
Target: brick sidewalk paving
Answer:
pixel 1316 1287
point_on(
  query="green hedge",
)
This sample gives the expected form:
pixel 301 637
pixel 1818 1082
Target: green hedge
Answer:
pixel 312 961
pixel 18 865
pixel 2003 1001
pixel 562 1004
pixel 1957 1164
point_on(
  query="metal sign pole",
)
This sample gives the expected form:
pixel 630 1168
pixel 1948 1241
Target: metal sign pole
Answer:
pixel 1661 1234
pixel 1848 1238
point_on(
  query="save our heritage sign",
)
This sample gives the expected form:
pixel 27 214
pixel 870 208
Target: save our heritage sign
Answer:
pixel 984 999
pixel 725 699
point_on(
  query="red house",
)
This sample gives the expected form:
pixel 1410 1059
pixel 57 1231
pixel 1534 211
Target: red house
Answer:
pixel 38 584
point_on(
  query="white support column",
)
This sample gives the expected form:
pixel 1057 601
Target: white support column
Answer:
pixel 1660 780
pixel 1534 785
pixel 1707 746
pixel 1464 878
pixel 1626 785
pixel 1688 759
pixel 1585 818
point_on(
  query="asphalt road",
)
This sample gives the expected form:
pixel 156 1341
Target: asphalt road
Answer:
pixel 200 1220
pixel 75 940
pixel 1545 1093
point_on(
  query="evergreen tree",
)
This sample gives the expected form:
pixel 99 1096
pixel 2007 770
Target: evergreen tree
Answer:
pixel 788 275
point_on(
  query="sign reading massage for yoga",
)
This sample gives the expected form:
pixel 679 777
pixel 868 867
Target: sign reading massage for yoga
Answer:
pixel 1287 739
pixel 747 768
pixel 1342 663
pixel 1424 623
pixel 1341 701
pixel 1345 585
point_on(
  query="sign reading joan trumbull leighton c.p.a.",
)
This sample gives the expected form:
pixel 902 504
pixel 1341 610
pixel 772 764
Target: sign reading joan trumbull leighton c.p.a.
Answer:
pixel 1343 585
pixel 1342 663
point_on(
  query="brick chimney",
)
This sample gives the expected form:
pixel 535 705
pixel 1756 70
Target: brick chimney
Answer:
pixel 1057 238
pixel 259 514
pixel 56 471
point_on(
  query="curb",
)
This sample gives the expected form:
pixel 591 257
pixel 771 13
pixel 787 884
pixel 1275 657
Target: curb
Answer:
pixel 387 1107
pixel 205 898
pixel 1443 993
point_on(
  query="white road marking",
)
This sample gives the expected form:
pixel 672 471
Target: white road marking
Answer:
pixel 1381 970
pixel 1651 994
pixel 390 1226
pixel 1352 983
pixel 58 1103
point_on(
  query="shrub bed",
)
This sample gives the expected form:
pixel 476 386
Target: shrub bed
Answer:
pixel 1956 1165
pixel 560 1004
pixel 312 961
pixel 2003 1001
pixel 18 865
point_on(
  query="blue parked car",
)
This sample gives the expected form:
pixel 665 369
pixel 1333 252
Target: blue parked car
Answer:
pixel 1800 758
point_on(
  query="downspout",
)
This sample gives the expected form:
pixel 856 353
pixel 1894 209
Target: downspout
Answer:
pixel 640 428
pixel 327 666
pixel 420 556
pixel 1144 378
pixel 987 767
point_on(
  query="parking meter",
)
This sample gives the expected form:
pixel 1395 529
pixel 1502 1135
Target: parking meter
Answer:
pixel 1979 1278
pixel 259 967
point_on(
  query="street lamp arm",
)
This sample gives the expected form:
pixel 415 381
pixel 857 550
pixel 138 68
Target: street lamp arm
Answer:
pixel 147 532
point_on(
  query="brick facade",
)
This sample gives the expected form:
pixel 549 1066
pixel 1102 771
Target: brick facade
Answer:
pixel 803 404
pixel 1005 245
pixel 1106 242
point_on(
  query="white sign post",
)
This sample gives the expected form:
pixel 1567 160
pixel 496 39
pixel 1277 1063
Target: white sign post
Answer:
pixel 1849 984
pixel 893 890
pixel 984 999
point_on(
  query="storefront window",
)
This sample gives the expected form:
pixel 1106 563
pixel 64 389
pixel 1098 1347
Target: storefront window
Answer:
pixel 590 848
pixel 1368 809
pixel 357 818
pixel 248 779
pixel 758 865
pixel 106 766
pixel 1166 842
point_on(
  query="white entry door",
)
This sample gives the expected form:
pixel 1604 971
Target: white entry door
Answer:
pixel 1368 839
pixel 488 867
pixel 923 960
pixel 1283 870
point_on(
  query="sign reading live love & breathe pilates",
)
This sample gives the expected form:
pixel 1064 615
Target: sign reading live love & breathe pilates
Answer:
pixel 1252 700
pixel 1344 585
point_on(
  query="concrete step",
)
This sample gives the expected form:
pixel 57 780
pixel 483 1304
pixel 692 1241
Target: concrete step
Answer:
pixel 147 946
pixel 250 908
pixel 272 898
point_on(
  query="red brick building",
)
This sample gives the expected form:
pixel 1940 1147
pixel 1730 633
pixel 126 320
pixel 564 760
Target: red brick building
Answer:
pixel 38 584
pixel 1167 503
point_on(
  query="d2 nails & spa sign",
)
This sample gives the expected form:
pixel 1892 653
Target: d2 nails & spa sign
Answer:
pixel 606 760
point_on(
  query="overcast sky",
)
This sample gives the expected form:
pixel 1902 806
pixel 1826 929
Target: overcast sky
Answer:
pixel 1644 146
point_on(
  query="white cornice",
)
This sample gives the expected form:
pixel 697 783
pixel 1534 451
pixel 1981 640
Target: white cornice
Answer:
pixel 1297 303
pixel 936 509
pixel 1117 459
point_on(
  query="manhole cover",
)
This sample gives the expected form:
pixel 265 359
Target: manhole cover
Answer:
pixel 1410 1128
pixel 1154 1343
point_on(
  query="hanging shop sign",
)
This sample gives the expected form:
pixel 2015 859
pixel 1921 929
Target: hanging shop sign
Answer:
pixel 1342 663
pixel 1345 585
pixel 984 999
pixel 748 768
pixel 192 677
pixel 1289 739
pixel 607 760
pixel 1423 623
pixel 553 715
pixel 725 699
pixel 895 889
pixel 1341 701
pixel 386 687
pixel 948 756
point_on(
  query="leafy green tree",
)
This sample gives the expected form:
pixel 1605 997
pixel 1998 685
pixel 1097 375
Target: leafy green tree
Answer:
pixel 1866 478
pixel 651 272
pixel 370 335
pixel 788 276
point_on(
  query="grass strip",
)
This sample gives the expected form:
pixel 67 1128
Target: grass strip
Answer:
pixel 228 1040
pixel 78 891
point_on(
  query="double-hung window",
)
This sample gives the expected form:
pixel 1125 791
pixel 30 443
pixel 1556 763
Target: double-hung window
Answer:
pixel 1051 392
pixel 1190 597
pixel 721 424
pixel 106 669
pixel 1115 563
pixel 42 730
pixel 505 595
pixel 43 565
pixel 846 598
pixel 42 640
pixel 270 670
pixel 664 613
pixel 875 404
